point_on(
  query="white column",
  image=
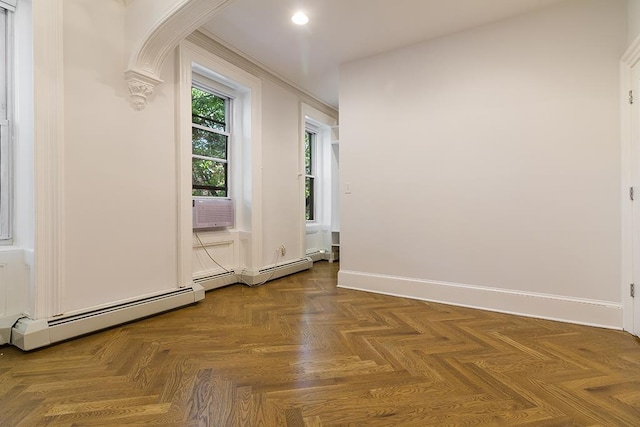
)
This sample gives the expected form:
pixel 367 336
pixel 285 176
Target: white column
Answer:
pixel 48 157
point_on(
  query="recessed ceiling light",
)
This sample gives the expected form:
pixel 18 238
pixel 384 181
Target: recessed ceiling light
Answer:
pixel 300 18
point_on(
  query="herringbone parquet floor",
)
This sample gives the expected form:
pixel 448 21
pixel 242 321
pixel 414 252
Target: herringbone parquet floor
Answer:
pixel 300 352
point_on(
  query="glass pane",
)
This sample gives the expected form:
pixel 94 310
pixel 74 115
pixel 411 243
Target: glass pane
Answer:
pixel 209 144
pixel 208 109
pixel 209 193
pixel 209 178
pixel 308 193
pixel 308 138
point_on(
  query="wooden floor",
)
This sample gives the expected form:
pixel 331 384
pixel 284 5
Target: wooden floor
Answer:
pixel 300 352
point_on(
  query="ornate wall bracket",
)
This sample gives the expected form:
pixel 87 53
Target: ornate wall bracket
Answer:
pixel 181 18
pixel 140 88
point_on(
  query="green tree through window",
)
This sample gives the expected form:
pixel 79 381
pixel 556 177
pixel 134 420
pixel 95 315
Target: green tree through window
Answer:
pixel 210 143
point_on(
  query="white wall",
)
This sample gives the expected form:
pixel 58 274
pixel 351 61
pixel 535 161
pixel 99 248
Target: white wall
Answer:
pixel 281 208
pixel 490 159
pixel 119 168
pixel 633 14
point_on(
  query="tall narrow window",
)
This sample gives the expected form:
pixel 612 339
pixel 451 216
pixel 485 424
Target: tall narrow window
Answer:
pixel 5 117
pixel 210 143
pixel 310 174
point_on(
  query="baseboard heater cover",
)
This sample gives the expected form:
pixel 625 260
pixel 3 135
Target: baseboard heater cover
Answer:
pixel 276 271
pixel 28 334
pixel 317 256
pixel 214 281
pixel 6 323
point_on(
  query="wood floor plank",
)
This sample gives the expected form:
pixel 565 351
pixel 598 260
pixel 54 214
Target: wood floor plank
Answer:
pixel 299 351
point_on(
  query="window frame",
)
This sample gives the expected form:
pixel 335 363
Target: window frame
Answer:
pixel 6 117
pixel 312 175
pixel 206 85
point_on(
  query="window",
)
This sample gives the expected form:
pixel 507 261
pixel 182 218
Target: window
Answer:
pixel 310 174
pixel 5 116
pixel 210 135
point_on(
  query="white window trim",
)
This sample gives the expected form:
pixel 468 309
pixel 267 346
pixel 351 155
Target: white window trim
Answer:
pixel 321 123
pixel 212 86
pixel 247 184
pixel 6 134
pixel 314 172
pixel 10 5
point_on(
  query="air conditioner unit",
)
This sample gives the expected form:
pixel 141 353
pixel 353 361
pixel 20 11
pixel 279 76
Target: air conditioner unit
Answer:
pixel 212 213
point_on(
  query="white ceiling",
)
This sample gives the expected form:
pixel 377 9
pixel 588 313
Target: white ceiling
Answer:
pixel 343 30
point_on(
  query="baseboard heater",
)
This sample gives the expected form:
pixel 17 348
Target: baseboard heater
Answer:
pixel 317 256
pixel 253 277
pixel 276 271
pixel 28 334
pixel 6 323
pixel 214 281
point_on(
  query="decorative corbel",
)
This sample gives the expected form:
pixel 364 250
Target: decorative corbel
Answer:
pixel 140 87
pixel 152 46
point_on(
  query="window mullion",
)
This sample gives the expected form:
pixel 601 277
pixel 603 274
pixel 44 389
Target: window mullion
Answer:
pixel 208 129
pixel 213 159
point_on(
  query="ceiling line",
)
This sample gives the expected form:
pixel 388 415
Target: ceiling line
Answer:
pixel 215 45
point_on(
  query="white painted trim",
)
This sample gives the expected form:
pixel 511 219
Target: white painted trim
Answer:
pixel 8 4
pixel 322 123
pixel 544 306
pixel 632 54
pixel 7 138
pixel 626 181
pixel 183 167
pixel 48 156
pixel 208 243
pixel 188 54
pixel 178 22
pixel 148 56
pixel 6 323
pixel 630 176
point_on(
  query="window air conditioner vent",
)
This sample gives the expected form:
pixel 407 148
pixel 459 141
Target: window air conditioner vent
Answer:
pixel 212 213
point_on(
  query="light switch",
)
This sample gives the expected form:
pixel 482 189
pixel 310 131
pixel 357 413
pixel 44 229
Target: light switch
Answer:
pixel 347 188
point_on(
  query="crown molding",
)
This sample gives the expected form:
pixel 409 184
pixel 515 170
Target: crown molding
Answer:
pixel 632 55
pixel 209 41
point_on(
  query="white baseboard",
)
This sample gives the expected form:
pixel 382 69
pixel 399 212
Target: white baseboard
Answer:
pixel 28 334
pixel 544 306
